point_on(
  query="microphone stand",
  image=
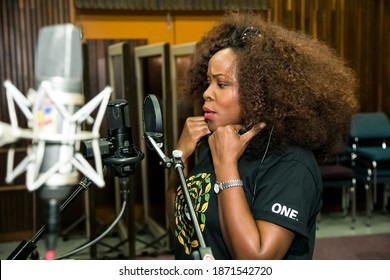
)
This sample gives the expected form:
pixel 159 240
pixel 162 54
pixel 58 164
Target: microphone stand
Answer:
pixel 27 247
pixel 122 169
pixel 205 252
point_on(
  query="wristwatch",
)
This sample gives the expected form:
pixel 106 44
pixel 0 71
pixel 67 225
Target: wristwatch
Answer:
pixel 220 186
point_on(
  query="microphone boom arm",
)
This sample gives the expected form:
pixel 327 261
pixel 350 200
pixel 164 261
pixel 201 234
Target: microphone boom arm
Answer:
pixel 166 161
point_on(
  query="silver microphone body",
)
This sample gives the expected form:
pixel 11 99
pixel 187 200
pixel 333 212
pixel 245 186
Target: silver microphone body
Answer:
pixel 58 69
pixel 59 95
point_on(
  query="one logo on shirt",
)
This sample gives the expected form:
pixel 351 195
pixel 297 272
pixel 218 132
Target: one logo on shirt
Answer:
pixel 285 211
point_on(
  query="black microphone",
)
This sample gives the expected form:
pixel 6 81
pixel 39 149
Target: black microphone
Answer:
pixel 58 72
pixel 125 156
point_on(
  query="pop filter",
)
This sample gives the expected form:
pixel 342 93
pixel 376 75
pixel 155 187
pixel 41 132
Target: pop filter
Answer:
pixel 152 120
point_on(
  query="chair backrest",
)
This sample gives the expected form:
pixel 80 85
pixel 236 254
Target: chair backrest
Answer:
pixel 373 126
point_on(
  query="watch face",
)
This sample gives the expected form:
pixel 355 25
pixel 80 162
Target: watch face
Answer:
pixel 216 188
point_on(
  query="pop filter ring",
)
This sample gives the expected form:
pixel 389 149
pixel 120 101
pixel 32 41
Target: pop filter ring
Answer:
pixel 152 119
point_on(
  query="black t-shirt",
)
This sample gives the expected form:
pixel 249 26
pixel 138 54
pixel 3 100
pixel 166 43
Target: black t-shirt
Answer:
pixel 284 189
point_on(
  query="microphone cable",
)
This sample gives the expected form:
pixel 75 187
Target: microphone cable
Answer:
pixel 89 244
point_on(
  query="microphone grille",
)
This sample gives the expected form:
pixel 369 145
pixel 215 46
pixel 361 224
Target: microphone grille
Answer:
pixel 118 115
pixel 59 53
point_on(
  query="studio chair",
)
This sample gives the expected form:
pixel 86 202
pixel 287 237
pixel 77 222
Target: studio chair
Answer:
pixel 370 155
pixel 336 172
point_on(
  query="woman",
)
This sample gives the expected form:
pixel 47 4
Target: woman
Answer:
pixel 273 101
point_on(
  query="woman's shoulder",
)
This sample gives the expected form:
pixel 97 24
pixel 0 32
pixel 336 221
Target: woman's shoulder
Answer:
pixel 298 154
pixel 293 156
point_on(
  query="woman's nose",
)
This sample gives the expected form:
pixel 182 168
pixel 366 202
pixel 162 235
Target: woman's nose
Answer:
pixel 207 94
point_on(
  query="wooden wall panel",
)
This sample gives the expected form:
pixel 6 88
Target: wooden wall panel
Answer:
pixel 358 31
pixel 20 22
pixel 167 5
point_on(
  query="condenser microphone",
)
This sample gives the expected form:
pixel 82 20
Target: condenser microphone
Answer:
pixel 58 69
pixel 125 156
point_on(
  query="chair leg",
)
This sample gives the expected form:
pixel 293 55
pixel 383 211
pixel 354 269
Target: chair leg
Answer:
pixel 374 188
pixel 353 202
pixel 368 204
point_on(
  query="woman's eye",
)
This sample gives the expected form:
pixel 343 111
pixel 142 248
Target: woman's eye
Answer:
pixel 221 85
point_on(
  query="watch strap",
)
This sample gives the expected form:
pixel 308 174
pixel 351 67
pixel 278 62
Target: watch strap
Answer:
pixel 228 184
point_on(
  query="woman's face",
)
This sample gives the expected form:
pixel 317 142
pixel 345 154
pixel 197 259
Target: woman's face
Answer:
pixel 221 106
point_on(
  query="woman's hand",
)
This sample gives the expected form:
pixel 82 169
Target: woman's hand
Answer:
pixel 194 129
pixel 227 146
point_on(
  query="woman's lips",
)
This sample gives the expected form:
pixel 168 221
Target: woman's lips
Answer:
pixel 208 114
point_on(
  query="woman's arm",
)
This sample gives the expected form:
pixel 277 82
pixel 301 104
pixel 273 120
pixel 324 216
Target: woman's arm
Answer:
pixel 245 237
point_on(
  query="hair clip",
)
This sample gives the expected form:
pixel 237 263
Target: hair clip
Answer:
pixel 240 39
pixel 249 32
